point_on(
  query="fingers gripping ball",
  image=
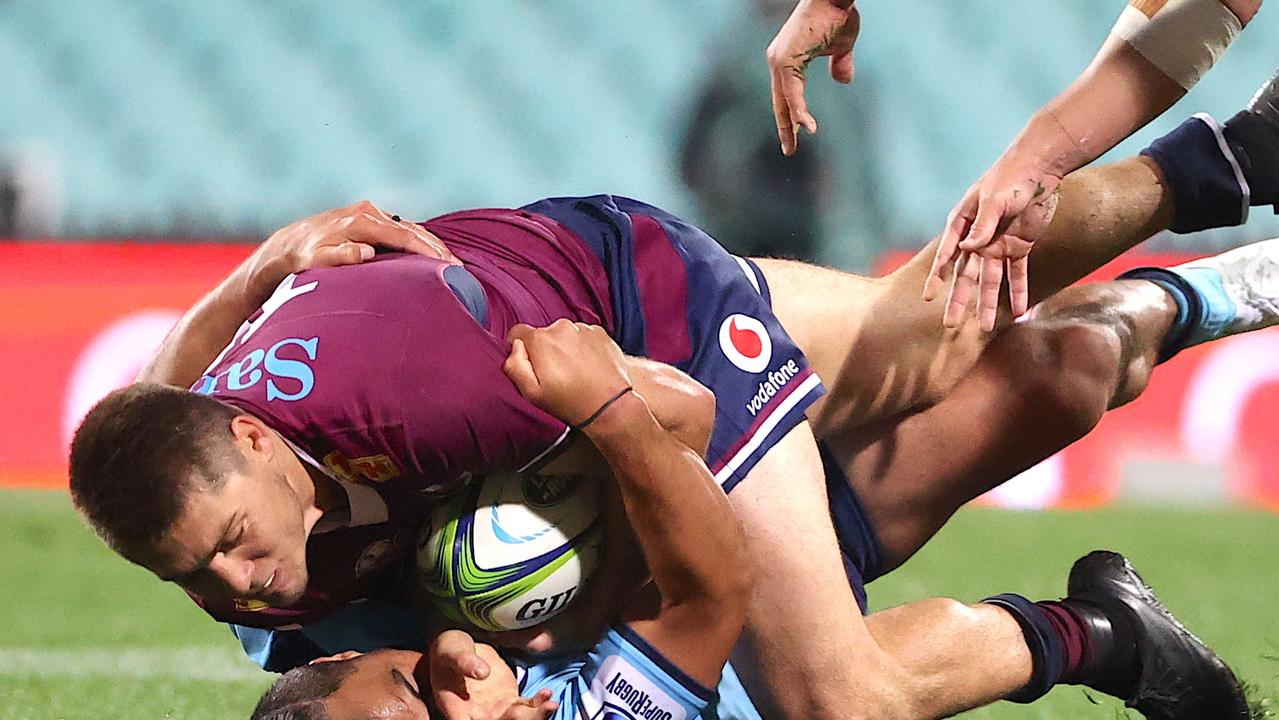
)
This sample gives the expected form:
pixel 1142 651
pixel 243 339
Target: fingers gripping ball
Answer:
pixel 512 550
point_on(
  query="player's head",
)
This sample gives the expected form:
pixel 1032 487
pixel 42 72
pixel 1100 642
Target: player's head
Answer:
pixel 387 684
pixel 195 491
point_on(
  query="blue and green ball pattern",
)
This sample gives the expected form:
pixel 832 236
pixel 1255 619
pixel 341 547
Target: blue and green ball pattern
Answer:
pixel 463 589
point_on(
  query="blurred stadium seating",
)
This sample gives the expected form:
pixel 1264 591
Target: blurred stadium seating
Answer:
pixel 170 118
pixel 959 85
pixel 175 117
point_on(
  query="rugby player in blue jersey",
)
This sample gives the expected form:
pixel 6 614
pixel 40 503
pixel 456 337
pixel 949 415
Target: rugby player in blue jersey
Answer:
pixel 810 653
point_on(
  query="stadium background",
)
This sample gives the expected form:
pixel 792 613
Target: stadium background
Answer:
pixel 144 145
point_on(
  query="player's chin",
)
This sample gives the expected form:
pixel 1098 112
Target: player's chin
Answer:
pixel 287 588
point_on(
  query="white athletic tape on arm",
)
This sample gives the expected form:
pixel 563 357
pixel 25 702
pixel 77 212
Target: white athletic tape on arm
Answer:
pixel 1183 38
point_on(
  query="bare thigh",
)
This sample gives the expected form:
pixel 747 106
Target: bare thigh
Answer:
pixel 806 651
pixel 878 347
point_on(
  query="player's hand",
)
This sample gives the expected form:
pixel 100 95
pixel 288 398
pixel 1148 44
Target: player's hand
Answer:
pixel 453 655
pixel 989 233
pixel 567 369
pixel 464 688
pixel 501 706
pixel 342 236
pixel 814 29
pixel 538 707
pixel 456 672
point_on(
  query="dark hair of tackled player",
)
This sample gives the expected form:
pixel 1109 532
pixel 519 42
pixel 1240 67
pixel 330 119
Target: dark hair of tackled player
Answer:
pixel 138 453
pixel 300 693
pixel 200 494
pixel 383 684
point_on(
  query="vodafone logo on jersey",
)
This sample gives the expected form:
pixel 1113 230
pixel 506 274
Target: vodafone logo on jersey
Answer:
pixel 745 343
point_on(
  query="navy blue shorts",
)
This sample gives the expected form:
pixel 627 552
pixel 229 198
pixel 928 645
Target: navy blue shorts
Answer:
pixel 680 298
pixel 858 543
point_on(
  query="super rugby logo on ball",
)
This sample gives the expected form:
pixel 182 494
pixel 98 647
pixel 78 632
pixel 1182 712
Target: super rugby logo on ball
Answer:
pixel 746 343
pixel 512 550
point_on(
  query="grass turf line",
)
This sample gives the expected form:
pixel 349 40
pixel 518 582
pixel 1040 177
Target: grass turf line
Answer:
pixel 63 593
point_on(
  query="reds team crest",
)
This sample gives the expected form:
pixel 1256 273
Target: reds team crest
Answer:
pixel 745 342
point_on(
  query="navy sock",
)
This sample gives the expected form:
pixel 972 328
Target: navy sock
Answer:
pixel 1190 307
pixel 1202 175
pixel 1049 652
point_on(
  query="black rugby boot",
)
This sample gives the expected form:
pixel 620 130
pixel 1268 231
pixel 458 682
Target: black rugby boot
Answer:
pixel 1142 653
pixel 1253 136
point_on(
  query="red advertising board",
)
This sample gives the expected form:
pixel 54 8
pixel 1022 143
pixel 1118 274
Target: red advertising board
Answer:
pixel 79 320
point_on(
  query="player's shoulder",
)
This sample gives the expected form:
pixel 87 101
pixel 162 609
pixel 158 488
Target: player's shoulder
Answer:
pixel 622 676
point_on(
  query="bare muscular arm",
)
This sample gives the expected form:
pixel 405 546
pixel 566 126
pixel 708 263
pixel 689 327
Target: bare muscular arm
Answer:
pixel 577 373
pixel 1145 65
pixel 686 409
pixel 210 324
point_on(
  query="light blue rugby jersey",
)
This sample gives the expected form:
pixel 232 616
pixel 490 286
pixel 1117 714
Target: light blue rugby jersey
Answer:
pixel 625 678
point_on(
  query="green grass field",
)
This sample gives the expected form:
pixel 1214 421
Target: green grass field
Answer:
pixel 85 635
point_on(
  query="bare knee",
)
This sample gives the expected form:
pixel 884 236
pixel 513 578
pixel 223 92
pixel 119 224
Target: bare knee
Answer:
pixel 1070 369
pixel 1136 313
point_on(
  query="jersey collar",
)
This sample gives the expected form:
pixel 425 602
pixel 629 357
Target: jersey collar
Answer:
pixel 366 506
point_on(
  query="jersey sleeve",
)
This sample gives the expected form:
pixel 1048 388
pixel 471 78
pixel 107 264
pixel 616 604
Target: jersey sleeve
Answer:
pixel 461 413
pixel 626 677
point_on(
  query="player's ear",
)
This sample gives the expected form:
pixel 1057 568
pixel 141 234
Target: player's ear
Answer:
pixel 347 655
pixel 252 436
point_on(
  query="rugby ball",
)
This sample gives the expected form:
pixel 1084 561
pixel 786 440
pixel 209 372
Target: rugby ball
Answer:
pixel 512 550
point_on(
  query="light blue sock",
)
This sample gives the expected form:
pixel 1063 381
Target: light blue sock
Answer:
pixel 1218 309
pixel 1204 309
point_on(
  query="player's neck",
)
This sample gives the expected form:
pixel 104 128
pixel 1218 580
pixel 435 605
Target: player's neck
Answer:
pixel 315 492
pixel 328 499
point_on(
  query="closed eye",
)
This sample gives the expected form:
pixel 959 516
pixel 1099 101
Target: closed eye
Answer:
pixel 404 682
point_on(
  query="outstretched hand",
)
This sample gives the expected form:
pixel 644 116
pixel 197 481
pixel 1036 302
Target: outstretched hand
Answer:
pixel 990 233
pixel 816 28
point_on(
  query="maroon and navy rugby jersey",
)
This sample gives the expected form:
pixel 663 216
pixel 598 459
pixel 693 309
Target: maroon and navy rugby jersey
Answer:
pixel 388 375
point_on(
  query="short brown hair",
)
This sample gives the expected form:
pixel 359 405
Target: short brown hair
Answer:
pixel 139 452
